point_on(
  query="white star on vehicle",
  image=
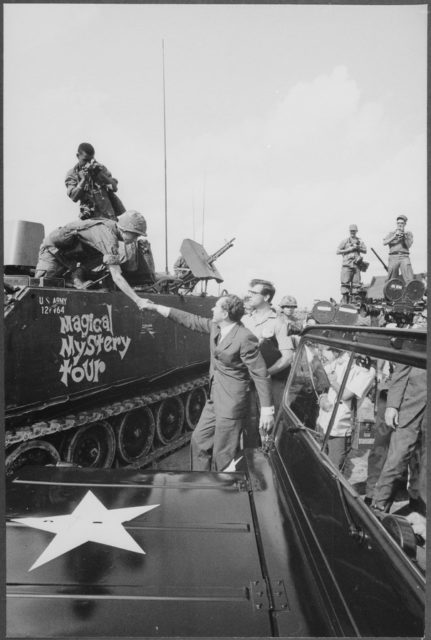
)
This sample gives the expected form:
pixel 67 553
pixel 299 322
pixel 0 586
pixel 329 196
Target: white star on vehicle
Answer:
pixel 91 521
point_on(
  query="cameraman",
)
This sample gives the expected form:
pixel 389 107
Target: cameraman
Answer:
pixel 92 185
pixel 399 242
pixel 351 250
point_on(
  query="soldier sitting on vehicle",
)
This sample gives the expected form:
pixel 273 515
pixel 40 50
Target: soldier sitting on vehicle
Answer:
pixel 137 262
pixel 79 248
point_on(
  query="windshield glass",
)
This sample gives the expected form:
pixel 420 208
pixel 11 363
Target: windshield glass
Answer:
pixel 368 417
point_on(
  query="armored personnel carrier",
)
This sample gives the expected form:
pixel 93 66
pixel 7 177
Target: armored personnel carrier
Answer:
pixel 89 380
pixel 284 545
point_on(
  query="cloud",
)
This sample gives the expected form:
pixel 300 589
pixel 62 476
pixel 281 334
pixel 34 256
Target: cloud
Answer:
pixel 286 183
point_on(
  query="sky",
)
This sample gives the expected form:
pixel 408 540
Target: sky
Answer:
pixel 285 124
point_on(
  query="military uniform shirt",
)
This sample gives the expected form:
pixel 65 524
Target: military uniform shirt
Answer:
pixel 267 326
pixel 399 245
pixel 94 195
pixel 100 235
pixel 349 258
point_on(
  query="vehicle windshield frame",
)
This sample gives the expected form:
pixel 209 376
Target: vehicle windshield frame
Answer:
pixel 375 342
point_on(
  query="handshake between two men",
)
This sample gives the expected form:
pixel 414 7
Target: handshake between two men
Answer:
pixel 234 353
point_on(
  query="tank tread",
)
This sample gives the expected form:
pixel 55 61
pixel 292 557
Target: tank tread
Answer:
pixel 163 451
pixel 45 428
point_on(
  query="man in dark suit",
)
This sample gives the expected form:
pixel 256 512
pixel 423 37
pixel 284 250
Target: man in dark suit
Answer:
pixel 235 358
pixel 406 414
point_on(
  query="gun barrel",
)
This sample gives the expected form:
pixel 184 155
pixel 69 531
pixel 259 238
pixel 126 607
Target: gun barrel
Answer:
pixel 213 257
pixel 379 258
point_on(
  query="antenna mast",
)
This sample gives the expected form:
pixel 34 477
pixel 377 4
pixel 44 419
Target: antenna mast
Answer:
pixel 194 231
pixel 166 170
pixel 203 209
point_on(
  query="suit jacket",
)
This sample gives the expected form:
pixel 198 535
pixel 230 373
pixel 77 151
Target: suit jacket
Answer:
pixel 234 361
pixel 407 392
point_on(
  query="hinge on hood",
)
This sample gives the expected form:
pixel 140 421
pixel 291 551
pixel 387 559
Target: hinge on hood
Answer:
pixel 279 595
pixel 259 595
pixel 262 601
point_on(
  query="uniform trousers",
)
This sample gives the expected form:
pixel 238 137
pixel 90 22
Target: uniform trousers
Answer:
pixel 400 263
pixel 404 441
pixel 350 277
pixel 215 440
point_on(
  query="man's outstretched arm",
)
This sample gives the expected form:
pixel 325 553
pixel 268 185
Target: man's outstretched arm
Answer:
pixel 118 278
pixel 189 320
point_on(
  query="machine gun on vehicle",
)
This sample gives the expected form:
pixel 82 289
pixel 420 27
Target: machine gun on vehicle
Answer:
pixel 380 260
pixel 193 265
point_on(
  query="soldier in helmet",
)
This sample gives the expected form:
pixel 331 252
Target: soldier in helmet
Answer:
pixel 351 249
pixel 288 304
pixel 80 247
pixel 92 185
pixel 399 242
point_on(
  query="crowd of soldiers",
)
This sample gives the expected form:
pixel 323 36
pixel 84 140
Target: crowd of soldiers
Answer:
pixel 249 338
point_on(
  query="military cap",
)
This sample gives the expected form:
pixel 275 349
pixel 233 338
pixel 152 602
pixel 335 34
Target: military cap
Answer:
pixel 288 301
pixel 402 217
pixel 353 227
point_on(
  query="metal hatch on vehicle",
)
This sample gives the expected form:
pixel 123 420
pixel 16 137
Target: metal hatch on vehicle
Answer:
pixel 195 569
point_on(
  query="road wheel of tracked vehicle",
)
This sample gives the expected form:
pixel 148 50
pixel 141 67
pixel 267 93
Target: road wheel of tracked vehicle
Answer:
pixel 169 419
pixel 194 403
pixel 135 435
pixel 92 445
pixel 31 452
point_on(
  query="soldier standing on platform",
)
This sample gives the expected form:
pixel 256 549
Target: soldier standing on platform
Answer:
pixel 351 249
pixel 399 242
pixel 92 185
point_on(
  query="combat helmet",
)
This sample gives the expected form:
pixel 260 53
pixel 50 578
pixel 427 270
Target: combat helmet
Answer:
pixel 288 301
pixel 133 221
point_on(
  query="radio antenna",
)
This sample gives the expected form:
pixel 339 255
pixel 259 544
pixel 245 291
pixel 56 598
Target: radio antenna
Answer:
pixel 194 226
pixel 166 169
pixel 203 209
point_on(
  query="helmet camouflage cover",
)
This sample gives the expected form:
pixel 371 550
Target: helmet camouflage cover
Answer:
pixel 133 221
pixel 288 301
